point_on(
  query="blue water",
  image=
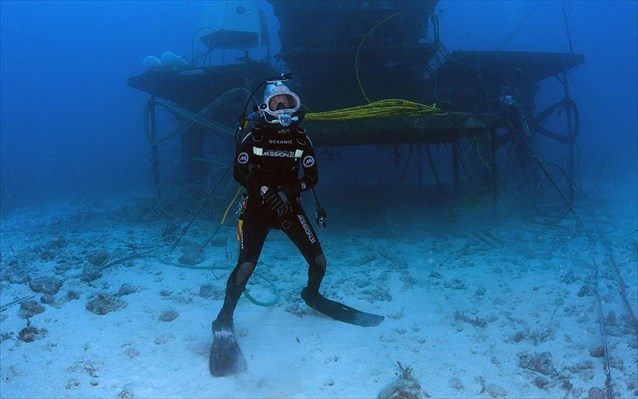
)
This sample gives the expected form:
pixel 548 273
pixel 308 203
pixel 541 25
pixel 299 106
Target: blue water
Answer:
pixel 72 131
pixel 71 127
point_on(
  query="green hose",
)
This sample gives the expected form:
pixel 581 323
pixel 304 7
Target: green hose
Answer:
pixel 246 292
pixel 260 303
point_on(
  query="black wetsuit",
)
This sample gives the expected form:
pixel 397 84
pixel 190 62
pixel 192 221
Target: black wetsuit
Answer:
pixel 273 159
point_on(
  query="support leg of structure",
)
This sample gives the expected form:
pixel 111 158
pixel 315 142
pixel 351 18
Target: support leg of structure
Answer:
pixel 494 177
pixel 154 150
pixel 456 155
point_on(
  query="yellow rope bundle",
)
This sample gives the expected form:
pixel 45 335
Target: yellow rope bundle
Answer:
pixel 377 109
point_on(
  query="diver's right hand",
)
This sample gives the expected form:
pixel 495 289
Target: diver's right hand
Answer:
pixel 276 200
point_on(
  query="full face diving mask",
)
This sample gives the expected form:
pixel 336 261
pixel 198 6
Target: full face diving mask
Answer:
pixel 279 104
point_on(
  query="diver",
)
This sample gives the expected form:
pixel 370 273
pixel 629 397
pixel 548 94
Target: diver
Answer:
pixel 510 102
pixel 267 164
pixel 275 162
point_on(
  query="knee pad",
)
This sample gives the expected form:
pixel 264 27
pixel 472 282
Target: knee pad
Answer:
pixel 244 270
pixel 320 261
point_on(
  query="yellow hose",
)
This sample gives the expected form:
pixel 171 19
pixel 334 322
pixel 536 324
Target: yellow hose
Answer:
pixel 230 204
pixel 377 109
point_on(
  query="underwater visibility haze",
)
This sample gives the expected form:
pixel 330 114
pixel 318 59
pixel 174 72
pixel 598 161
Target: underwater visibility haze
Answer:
pixel 478 170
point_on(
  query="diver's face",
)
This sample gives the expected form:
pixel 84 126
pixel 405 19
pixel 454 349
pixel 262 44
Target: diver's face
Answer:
pixel 280 101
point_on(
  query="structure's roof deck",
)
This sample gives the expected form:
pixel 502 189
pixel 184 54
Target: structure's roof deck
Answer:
pixel 196 87
pixel 496 66
pixel 444 128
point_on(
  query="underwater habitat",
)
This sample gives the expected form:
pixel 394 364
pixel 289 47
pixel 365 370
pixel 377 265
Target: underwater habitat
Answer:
pixel 392 199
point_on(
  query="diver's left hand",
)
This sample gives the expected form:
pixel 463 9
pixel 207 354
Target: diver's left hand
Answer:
pixel 276 200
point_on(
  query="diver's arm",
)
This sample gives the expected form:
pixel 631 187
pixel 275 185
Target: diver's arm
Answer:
pixel 241 165
pixel 309 165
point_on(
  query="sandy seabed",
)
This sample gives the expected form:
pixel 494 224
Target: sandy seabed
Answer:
pixel 96 304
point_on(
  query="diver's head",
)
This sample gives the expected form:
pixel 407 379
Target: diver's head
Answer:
pixel 279 104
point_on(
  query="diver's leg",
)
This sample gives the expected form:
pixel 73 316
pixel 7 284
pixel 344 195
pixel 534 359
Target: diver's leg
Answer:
pixel 304 237
pixel 252 238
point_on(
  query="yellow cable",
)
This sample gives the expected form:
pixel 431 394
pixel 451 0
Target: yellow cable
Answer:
pixel 377 109
pixel 356 58
pixel 230 205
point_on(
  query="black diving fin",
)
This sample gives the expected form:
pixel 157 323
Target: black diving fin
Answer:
pixel 226 357
pixel 339 311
